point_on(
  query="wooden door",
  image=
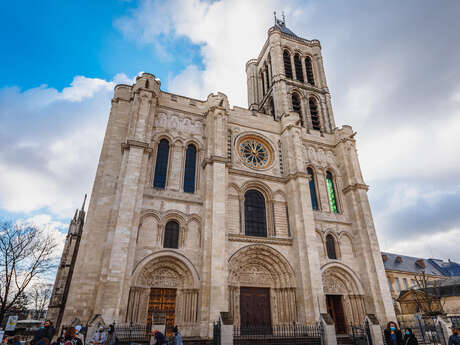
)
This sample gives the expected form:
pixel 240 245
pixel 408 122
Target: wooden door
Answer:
pixel 163 301
pixel 335 310
pixel 255 307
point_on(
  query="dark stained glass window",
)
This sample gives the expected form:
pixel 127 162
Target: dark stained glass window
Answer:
pixel 171 235
pixel 296 107
pixel 272 108
pixel 309 69
pixel 314 112
pixel 331 192
pixel 161 168
pixel 190 168
pixel 263 83
pixel 330 247
pixel 287 64
pixel 314 199
pixel 254 214
pixel 267 76
pixel 298 68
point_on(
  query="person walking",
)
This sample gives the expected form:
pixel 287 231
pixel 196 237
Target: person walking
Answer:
pixel 111 336
pixel 393 335
pixel 409 337
pixel 454 339
pixel 46 331
pixel 177 336
pixel 70 337
pixel 98 337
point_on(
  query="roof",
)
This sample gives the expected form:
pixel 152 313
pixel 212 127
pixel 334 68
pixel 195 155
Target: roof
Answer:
pixel 409 264
pixel 282 26
pixel 448 268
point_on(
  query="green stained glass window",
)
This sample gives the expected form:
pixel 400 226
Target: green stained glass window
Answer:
pixel 331 193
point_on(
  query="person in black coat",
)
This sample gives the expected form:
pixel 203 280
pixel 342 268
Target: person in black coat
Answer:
pixel 409 337
pixel 393 335
pixel 47 331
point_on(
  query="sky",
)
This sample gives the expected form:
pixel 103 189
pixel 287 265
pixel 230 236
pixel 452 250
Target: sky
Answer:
pixel 392 68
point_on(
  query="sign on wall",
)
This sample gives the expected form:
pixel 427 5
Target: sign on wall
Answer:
pixel 11 324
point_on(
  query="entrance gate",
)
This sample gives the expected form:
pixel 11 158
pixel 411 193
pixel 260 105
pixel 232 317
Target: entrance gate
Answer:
pixel 163 300
pixel 335 310
pixel 255 307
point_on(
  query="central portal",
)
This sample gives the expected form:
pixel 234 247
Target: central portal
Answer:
pixel 162 301
pixel 255 307
pixel 335 310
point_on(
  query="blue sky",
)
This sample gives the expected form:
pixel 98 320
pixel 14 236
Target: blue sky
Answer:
pixel 392 69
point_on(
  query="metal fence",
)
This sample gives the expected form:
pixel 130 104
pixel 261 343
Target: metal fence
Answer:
pixel 132 333
pixel 278 335
pixel 361 335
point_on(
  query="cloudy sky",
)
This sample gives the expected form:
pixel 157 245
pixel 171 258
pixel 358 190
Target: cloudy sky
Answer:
pixel 393 68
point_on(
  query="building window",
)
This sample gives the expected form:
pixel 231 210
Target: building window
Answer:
pixel 330 247
pixel 171 235
pixel 267 76
pixel 398 286
pixel 263 83
pixel 314 112
pixel 313 197
pixel 389 284
pixel 309 69
pixel 405 284
pixel 190 169
pixel 272 108
pixel 161 167
pixel 331 192
pixel 298 68
pixel 287 64
pixel 412 283
pixel 254 214
pixel 296 107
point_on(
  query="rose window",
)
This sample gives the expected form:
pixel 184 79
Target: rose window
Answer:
pixel 255 152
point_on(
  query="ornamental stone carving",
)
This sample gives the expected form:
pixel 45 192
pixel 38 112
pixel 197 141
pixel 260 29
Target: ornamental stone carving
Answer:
pixel 165 272
pixel 178 123
pixel 332 285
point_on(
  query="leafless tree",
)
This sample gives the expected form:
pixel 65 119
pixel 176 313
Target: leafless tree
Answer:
pixel 26 253
pixel 39 296
pixel 427 296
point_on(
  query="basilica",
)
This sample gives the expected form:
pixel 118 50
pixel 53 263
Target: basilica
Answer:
pixel 200 208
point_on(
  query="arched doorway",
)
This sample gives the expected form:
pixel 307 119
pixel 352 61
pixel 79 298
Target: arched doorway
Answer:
pixel 165 285
pixel 262 287
pixel 344 297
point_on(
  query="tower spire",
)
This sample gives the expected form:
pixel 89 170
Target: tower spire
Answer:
pixel 84 202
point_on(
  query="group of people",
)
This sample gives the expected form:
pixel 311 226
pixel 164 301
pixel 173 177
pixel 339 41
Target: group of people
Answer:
pixel 160 339
pixel 394 336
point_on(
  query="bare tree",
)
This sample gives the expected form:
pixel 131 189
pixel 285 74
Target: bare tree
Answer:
pixel 428 296
pixel 39 297
pixel 26 253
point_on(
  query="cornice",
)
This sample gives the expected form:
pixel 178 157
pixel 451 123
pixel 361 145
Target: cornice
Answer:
pixel 356 186
pixel 152 193
pixel 136 143
pixel 234 171
pixel 253 239
pixel 214 159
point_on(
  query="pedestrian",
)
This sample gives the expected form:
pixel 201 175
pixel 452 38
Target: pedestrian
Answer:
pixel 409 337
pixel 98 337
pixel 159 338
pixel 177 336
pixel 70 338
pixel 454 339
pixel 111 336
pixel 78 334
pixel 16 340
pixel 392 334
pixel 46 331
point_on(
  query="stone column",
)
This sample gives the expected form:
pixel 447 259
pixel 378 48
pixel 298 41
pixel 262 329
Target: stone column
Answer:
pixel 309 286
pixel 215 271
pixel 251 73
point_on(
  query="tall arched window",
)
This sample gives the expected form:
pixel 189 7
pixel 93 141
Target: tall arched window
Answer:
pixel 314 113
pixel 161 167
pixel 331 192
pixel 330 247
pixel 287 64
pixel 171 235
pixel 190 168
pixel 263 83
pixel 309 69
pixel 296 107
pixel 313 197
pixel 298 68
pixel 254 214
pixel 267 76
pixel 272 107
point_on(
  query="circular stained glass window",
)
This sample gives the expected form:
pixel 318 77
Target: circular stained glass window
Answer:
pixel 255 152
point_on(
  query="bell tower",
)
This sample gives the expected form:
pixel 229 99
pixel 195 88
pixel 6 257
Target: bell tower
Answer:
pixel 287 76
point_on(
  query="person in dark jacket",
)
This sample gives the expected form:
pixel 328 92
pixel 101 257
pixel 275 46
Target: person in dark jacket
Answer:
pixel 47 331
pixel 159 338
pixel 70 338
pixel 454 339
pixel 409 337
pixel 16 340
pixel 393 335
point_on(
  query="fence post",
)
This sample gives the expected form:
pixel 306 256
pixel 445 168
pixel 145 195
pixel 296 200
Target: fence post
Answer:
pixel 375 329
pixel 226 335
pixel 330 338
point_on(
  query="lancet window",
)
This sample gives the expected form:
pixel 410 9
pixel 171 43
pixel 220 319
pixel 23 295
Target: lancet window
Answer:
pixel 330 247
pixel 312 184
pixel 161 167
pixel 331 192
pixel 287 64
pixel 190 169
pixel 171 239
pixel 298 68
pixel 255 214
pixel 297 107
pixel 314 113
pixel 309 70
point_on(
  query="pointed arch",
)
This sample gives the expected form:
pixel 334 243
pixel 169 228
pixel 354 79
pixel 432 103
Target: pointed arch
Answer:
pixel 298 68
pixel 297 107
pixel 161 164
pixel 255 214
pixel 287 64
pixel 331 188
pixel 190 169
pixel 312 185
pixel 309 70
pixel 314 113
pixel 331 249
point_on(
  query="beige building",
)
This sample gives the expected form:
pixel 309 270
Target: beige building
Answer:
pixel 200 208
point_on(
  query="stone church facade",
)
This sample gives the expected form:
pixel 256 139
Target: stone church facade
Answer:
pixel 198 208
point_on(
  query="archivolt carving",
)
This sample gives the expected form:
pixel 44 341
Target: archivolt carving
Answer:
pixel 165 272
pixel 319 156
pixel 260 265
pixel 178 123
pixel 338 281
